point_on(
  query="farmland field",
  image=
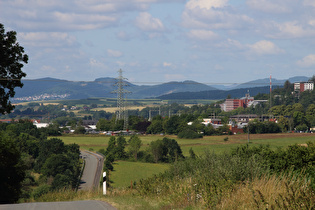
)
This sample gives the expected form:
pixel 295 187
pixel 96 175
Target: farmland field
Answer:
pixel 212 143
pixel 125 172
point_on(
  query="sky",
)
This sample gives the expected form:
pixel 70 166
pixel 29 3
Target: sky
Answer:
pixel 158 41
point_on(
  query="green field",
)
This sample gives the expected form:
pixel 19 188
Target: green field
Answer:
pixel 125 172
pixel 212 143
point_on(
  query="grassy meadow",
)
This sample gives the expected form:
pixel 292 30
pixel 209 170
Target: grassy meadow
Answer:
pixel 257 194
pixel 124 171
pixel 216 144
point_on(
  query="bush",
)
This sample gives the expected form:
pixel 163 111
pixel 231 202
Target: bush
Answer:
pixel 41 190
pixel 79 130
pixel 189 134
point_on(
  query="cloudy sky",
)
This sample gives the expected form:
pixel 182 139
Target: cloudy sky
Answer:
pixel 156 41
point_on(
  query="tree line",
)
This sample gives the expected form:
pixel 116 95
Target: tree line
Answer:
pixel 26 151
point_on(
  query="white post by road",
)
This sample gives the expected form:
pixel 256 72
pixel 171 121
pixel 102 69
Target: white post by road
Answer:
pixel 104 183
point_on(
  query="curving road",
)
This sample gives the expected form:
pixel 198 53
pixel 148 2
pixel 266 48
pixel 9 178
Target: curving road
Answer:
pixel 92 170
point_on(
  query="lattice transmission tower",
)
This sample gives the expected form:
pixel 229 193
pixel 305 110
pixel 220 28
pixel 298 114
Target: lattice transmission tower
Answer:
pixel 122 112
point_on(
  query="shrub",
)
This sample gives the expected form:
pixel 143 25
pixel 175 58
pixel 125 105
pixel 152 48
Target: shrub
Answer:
pixel 41 190
pixel 189 134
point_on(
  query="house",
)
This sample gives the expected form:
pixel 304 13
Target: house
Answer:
pixel 6 121
pixel 208 121
pixel 38 124
pixel 243 118
pixel 303 86
pixel 231 104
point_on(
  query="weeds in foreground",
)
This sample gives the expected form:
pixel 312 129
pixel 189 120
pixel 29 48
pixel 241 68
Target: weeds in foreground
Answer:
pixel 271 192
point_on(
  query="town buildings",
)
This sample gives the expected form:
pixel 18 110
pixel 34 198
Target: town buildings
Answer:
pixel 303 86
pixel 231 104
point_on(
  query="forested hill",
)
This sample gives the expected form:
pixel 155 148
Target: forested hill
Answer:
pixel 49 88
pixel 217 94
pixel 102 87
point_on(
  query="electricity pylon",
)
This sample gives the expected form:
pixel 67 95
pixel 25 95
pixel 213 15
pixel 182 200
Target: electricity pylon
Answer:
pixel 122 112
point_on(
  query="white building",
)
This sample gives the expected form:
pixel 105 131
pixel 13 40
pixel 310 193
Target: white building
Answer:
pixel 303 86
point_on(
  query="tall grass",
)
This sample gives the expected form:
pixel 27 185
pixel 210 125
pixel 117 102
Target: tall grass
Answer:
pixel 204 181
pixel 271 192
pixel 229 182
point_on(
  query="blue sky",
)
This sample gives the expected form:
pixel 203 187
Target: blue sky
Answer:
pixel 157 41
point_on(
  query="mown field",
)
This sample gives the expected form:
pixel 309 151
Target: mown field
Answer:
pixel 125 172
pixel 216 144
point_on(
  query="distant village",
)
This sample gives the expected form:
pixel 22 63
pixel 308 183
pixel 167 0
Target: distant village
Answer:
pixel 236 123
pixel 44 96
pixel 248 101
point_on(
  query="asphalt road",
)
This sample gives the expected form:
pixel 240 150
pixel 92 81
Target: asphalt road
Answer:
pixel 69 205
pixel 92 170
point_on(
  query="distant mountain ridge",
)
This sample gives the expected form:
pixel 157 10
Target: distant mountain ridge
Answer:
pixel 262 82
pixel 104 87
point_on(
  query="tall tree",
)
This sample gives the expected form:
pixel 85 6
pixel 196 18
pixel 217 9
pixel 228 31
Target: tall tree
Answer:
pixel 120 149
pixel 134 145
pixel 12 58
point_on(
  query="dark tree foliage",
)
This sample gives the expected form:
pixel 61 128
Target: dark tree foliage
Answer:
pixel 12 170
pixel 120 149
pixel 142 126
pixel 48 148
pixel 12 58
pixel 171 125
pixel 111 145
pixel 134 145
pixel 263 127
pixel 166 150
pixel 174 152
pixel 295 157
pixel 189 134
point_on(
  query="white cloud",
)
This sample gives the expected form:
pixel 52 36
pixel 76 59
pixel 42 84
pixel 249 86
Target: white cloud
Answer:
pixel 312 22
pixel 114 53
pixel 97 64
pixel 216 14
pixel 270 6
pixel 168 64
pixel 46 39
pixel 293 29
pixel 60 15
pixel 309 3
pixel 265 47
pixel 307 61
pixel 165 64
pixel 202 34
pixel 206 4
pixel 146 22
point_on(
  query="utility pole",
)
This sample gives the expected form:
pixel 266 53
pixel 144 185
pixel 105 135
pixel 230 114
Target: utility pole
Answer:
pixel 121 99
